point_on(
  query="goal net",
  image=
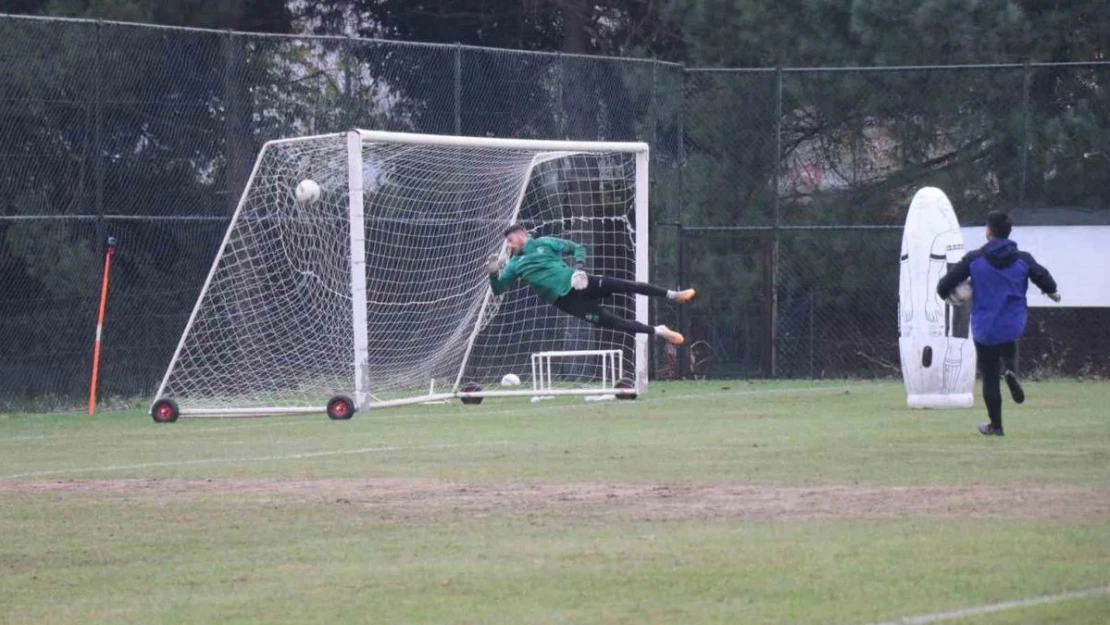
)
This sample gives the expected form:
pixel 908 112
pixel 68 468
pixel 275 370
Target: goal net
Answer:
pixel 377 290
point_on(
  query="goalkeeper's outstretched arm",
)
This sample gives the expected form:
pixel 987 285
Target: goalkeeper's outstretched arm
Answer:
pixel 500 279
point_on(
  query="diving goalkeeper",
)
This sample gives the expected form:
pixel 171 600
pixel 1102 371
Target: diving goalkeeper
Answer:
pixel 539 262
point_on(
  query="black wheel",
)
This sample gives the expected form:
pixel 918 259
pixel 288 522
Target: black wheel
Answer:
pixel 471 388
pixel 340 408
pixel 626 385
pixel 164 411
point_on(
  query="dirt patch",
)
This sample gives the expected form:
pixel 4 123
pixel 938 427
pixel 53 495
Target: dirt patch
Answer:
pixel 412 501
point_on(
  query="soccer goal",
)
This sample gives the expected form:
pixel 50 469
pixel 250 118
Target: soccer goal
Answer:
pixel 372 292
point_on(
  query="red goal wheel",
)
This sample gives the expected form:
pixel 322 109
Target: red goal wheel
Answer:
pixel 340 408
pixel 164 411
pixel 471 388
pixel 625 385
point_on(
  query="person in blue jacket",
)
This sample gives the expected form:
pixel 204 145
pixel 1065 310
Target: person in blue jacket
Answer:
pixel 1000 276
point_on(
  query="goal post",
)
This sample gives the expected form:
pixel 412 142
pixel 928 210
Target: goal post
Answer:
pixel 643 273
pixel 357 226
pixel 374 291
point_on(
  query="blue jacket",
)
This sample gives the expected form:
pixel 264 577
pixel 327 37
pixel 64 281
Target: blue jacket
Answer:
pixel 1000 276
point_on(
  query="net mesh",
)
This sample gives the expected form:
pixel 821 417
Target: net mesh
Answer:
pixel 275 326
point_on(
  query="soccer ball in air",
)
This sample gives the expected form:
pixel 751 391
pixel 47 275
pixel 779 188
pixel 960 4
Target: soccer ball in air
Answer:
pixel 510 379
pixel 308 192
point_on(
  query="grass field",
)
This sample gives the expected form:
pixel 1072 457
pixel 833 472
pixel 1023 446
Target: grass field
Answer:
pixel 725 502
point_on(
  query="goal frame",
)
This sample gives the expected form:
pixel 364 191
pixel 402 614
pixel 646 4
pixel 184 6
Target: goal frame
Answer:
pixel 361 385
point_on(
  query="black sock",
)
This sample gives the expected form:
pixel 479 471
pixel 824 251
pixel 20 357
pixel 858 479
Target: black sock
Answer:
pixel 608 320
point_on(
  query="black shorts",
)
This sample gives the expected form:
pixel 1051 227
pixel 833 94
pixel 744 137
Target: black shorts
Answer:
pixel 581 304
pixel 586 303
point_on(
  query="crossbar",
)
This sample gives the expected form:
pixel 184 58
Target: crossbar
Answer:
pixel 510 144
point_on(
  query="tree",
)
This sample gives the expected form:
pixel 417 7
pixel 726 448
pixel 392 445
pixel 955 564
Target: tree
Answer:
pixel 121 120
pixel 856 145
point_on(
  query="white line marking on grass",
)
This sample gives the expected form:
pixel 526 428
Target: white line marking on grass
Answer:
pixel 938 617
pixel 300 456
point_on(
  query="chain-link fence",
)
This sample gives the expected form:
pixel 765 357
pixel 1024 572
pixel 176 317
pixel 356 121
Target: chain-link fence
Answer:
pixel 795 189
pixel 780 194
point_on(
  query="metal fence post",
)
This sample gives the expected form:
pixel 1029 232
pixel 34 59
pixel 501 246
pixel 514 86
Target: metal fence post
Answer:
pixel 1026 143
pixel 98 128
pixel 560 109
pixel 1026 114
pixel 777 223
pixel 680 209
pixel 350 115
pixel 812 312
pixel 230 141
pixel 680 150
pixel 683 369
pixel 653 110
pixel 458 88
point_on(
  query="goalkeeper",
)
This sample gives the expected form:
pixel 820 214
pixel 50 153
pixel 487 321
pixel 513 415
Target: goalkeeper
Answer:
pixel 539 262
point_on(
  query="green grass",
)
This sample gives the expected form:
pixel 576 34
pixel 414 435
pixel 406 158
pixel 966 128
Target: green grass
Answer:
pixel 503 513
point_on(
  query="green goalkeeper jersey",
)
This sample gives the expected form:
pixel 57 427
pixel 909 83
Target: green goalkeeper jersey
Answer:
pixel 541 265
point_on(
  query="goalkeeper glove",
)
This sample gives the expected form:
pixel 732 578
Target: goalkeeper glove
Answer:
pixel 1053 296
pixel 493 264
pixel 579 280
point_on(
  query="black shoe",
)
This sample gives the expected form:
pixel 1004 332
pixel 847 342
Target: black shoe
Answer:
pixel 1015 387
pixel 987 429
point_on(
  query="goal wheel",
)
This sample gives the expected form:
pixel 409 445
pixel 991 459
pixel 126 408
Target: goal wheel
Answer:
pixel 471 388
pixel 626 385
pixel 165 411
pixel 340 408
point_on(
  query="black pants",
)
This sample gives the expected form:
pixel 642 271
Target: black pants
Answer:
pixel 994 360
pixel 586 304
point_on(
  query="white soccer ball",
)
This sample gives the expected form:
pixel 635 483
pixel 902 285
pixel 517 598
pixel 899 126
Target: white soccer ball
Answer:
pixel 308 192
pixel 510 379
pixel 962 293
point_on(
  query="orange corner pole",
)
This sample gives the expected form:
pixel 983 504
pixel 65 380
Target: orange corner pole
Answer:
pixel 100 324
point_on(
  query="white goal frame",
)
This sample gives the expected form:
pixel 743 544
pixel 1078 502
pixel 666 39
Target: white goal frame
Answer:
pixel 362 385
pixel 612 367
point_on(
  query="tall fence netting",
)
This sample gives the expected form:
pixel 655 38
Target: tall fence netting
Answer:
pixel 780 194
